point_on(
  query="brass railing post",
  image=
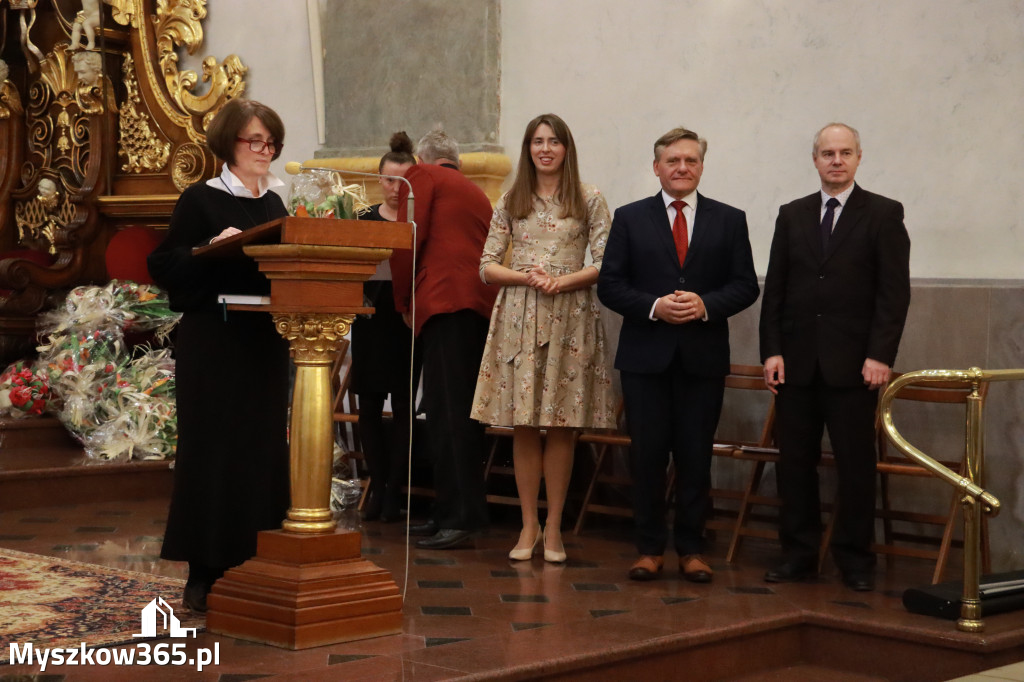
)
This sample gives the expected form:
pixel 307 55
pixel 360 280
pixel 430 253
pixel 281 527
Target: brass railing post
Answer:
pixel 975 500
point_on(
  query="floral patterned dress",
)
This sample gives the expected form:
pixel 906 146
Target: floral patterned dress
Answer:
pixel 545 362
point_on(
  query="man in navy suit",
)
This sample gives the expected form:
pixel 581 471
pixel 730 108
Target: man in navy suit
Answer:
pixel 676 267
pixel 835 301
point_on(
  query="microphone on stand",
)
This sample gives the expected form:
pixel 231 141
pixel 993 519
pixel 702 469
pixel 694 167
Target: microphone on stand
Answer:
pixel 294 168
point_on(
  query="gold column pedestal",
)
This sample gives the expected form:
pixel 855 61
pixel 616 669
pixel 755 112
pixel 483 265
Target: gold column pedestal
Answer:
pixel 314 338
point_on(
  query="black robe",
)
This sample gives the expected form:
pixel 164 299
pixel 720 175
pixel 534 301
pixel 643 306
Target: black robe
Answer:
pixel 231 468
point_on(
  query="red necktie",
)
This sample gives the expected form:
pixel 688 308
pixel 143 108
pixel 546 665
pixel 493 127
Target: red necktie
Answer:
pixel 679 231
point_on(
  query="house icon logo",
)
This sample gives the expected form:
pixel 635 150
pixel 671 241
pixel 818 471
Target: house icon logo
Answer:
pixel 158 609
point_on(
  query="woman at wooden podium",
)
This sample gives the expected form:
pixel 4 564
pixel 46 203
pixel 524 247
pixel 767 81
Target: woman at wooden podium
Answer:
pixel 381 345
pixel 231 468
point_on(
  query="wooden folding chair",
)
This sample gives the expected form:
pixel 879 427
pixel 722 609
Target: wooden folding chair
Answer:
pixel 603 444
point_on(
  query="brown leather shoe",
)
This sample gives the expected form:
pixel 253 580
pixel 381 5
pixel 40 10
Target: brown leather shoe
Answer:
pixel 646 568
pixel 695 569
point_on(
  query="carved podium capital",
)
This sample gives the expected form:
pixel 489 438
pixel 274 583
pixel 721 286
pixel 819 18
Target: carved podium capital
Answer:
pixel 315 338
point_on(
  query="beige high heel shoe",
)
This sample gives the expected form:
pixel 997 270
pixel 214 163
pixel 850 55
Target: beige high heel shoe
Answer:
pixel 526 553
pixel 554 556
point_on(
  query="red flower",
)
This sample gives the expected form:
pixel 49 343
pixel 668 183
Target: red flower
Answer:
pixel 19 396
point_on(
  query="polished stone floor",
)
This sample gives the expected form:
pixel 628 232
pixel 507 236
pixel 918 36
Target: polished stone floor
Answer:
pixel 473 613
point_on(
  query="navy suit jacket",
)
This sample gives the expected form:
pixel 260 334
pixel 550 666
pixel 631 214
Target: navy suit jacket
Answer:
pixel 832 310
pixel 640 265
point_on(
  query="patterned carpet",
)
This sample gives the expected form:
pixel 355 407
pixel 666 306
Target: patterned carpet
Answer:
pixel 58 603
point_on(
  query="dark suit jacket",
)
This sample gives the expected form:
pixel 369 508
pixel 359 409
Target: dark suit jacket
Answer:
pixel 452 219
pixel 640 265
pixel 833 310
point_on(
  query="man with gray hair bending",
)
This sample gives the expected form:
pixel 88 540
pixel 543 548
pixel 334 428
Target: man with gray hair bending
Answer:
pixel 452 313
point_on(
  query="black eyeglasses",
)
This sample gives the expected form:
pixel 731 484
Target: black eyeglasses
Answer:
pixel 259 146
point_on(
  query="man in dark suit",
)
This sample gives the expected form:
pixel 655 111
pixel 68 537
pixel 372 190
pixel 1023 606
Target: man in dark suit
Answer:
pixel 835 301
pixel 676 267
pixel 452 312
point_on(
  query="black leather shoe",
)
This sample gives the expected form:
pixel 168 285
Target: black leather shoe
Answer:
pixel 447 538
pixel 372 508
pixel 790 572
pixel 424 529
pixel 194 598
pixel 858 581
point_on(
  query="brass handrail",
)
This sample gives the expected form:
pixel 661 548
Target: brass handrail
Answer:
pixel 968 483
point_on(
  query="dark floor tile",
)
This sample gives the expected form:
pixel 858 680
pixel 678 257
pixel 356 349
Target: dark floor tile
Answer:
pixel 439 641
pixel 335 659
pixel 524 599
pixel 601 613
pixel 87 547
pixel 669 601
pixel 446 611
pixel 39 519
pixel 509 573
pixel 528 626
pixel 96 529
pixel 136 558
pixel 751 590
pixel 854 604
pixel 595 587
pixel 894 594
pixel 6 537
pixel 371 550
pixel 574 563
pixel 440 584
pixel 434 561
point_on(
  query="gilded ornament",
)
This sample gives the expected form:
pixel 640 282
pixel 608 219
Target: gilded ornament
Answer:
pixel 125 12
pixel 57 117
pixel 315 338
pixel 41 220
pixel 178 23
pixel 10 101
pixel 188 166
pixel 137 143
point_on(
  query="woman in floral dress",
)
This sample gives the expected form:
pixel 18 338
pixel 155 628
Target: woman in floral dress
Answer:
pixel 545 366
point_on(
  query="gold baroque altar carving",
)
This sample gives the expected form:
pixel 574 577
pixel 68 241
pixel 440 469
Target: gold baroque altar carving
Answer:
pixel 99 129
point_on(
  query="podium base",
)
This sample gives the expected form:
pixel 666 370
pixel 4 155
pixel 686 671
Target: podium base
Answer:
pixel 303 591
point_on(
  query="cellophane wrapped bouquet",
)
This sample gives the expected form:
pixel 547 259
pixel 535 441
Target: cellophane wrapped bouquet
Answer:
pixel 25 390
pixel 118 402
pixel 321 193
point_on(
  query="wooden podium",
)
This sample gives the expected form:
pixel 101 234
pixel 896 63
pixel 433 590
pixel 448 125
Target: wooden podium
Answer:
pixel 308 584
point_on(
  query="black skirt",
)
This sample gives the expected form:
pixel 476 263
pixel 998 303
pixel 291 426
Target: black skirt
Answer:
pixel 231 469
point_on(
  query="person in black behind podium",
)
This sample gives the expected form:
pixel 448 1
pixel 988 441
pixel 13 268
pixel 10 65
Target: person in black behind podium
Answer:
pixel 231 475
pixel 381 346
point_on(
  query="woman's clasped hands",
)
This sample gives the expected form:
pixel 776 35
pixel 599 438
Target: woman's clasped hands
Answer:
pixel 539 279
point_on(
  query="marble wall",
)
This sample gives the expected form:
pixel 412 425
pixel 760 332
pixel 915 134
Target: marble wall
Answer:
pixel 935 89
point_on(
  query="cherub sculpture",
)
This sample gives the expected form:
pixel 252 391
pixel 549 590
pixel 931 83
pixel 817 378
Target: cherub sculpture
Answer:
pixel 88 20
